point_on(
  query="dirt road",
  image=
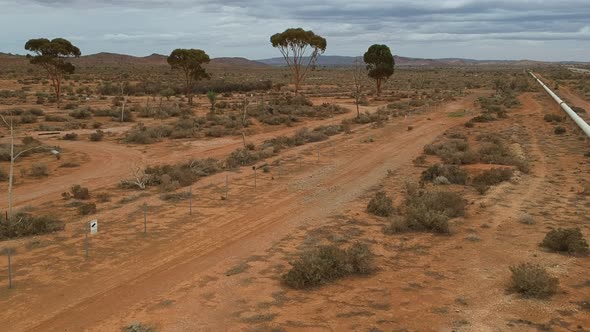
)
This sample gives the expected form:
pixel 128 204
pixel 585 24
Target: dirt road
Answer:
pixel 129 272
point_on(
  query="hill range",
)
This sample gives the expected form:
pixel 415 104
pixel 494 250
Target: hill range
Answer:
pixel 114 59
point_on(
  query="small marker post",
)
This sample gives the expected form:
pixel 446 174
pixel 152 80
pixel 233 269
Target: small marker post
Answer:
pixel 226 186
pixel 86 241
pixel 144 218
pixel 254 168
pixel 9 254
pixel 190 201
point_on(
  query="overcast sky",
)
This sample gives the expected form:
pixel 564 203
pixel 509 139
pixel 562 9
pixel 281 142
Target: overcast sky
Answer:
pixel 480 29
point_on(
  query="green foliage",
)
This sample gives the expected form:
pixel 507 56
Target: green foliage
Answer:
pixel 25 224
pixel 296 44
pixel 190 62
pixel 212 96
pixel 381 205
pixel 532 280
pixel 51 55
pixel 327 263
pixel 568 240
pixel 380 64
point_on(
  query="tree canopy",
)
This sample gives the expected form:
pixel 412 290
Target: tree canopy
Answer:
pixel 380 64
pixel 190 61
pixel 300 49
pixel 51 55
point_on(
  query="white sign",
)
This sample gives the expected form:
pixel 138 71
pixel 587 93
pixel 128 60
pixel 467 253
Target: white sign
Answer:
pixel 93 226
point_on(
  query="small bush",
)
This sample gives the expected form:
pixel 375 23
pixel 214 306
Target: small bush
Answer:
pixel 483 181
pixel 568 240
pixel 55 118
pixel 79 192
pixel 526 219
pixel 553 118
pixel 97 136
pixel 28 118
pixel 559 130
pixel 81 114
pixel 453 173
pixel 70 136
pixel 87 208
pixel 137 327
pixel 428 211
pixel 441 180
pixel 39 170
pixel 327 263
pixel 380 205
pixel 24 224
pixel 532 280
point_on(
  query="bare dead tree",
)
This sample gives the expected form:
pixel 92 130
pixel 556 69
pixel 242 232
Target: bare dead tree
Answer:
pixel 139 176
pixel 359 74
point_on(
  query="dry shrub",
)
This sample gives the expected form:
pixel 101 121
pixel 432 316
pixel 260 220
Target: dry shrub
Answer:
pixel 453 173
pixel 532 280
pixel 79 192
pixel 86 209
pixel 483 181
pixel 428 211
pixel 138 327
pixel 25 224
pixel 39 170
pixel 381 205
pixel 568 240
pixel 327 263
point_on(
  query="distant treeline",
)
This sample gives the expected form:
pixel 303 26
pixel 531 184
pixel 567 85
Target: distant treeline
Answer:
pixel 155 88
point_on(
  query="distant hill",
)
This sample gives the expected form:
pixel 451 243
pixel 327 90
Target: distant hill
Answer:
pixel 114 59
pixel 340 61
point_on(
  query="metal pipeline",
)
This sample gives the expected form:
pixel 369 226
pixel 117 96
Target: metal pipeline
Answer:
pixel 573 115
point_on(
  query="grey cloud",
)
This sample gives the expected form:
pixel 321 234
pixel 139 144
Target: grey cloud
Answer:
pixel 232 27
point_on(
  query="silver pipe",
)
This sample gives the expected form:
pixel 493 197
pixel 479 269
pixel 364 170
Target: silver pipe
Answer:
pixel 577 119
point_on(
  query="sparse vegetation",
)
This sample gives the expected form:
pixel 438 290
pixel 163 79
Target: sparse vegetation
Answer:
pixel 26 224
pixel 568 240
pixel 381 205
pixel 327 263
pixel 427 211
pixel 559 130
pixel 532 280
pixel 484 180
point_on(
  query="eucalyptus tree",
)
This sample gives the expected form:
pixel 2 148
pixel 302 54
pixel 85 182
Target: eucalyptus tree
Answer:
pixel 52 55
pixel 300 49
pixel 190 62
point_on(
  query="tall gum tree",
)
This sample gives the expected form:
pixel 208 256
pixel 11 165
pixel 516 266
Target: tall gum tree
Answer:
pixel 300 49
pixel 190 61
pixel 51 55
pixel 380 64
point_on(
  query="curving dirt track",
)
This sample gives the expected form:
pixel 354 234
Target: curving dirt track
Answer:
pixel 108 162
pixel 129 272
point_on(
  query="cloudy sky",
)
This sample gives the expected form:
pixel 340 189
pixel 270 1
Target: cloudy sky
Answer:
pixel 480 29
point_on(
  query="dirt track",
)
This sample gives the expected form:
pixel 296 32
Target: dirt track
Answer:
pixel 225 232
pixel 177 276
